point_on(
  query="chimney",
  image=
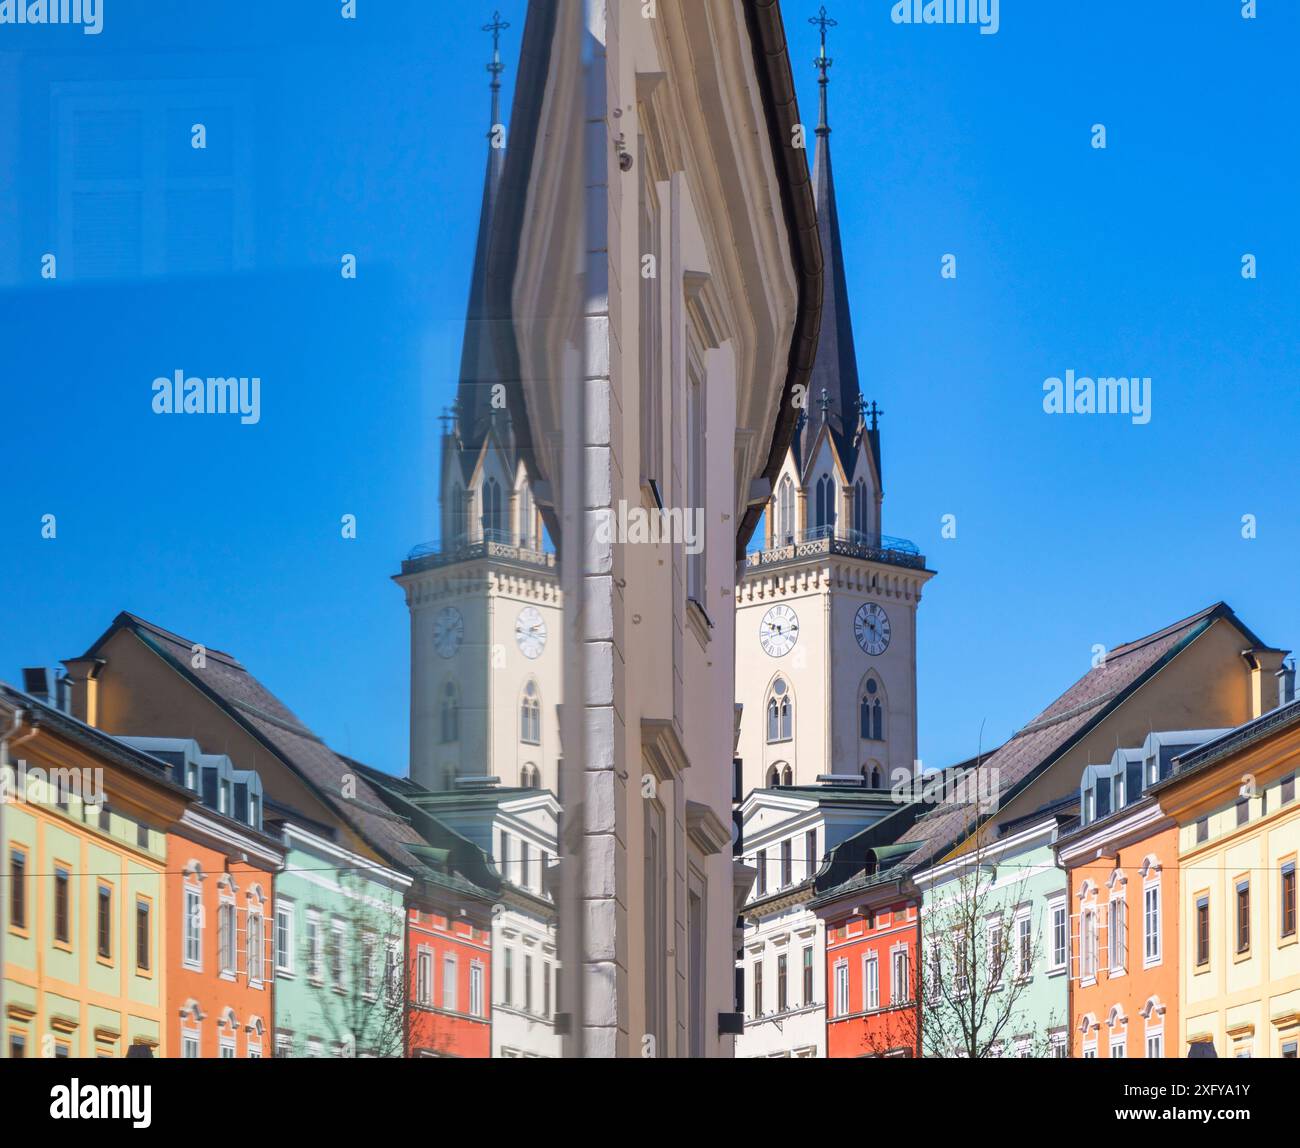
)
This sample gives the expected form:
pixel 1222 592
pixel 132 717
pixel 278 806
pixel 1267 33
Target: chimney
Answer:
pixel 1264 664
pixel 1286 683
pixel 83 679
pixel 36 682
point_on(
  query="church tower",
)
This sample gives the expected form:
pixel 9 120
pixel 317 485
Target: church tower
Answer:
pixel 826 609
pixel 484 599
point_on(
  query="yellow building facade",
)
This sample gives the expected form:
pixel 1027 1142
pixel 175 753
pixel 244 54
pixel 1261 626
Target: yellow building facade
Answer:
pixel 1234 800
pixel 83 830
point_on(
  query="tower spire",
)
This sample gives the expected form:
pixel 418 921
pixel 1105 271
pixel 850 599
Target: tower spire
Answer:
pixel 477 359
pixel 823 62
pixel 835 372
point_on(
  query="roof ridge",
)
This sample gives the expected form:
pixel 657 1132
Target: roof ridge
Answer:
pixel 153 627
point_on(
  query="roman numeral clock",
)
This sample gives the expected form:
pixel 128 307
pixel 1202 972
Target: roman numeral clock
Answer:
pixel 871 628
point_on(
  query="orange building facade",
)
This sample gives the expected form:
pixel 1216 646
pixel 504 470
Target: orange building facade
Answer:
pixel 1124 946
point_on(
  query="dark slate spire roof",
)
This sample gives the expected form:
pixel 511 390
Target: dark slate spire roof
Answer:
pixel 473 408
pixel 836 368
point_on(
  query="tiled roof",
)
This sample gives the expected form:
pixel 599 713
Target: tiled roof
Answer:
pixel 1034 748
pixel 253 706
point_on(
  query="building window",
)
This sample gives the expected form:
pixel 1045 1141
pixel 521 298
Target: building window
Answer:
pixel 1202 830
pixel 1024 945
pixel 227 1048
pixel 449 715
pixel 143 936
pixel 1289 1049
pixel 1118 1047
pixel 284 937
pixel 315 947
pixel 1243 810
pixel 1151 924
pixel 997 955
pixel 842 988
pixel 787 863
pixel 870 982
pixel 761 861
pixel 546 988
pixel 782 983
pixel 189 1044
pixel 508 978
pixel 900 984
pixel 530 716
pixel 18 1046
pixel 527 521
pixel 871 712
pixel 860 513
pixel 695 461
pixel 17 889
pixel 226 938
pixel 825 518
pixel 1117 933
pixel 1155 1045
pixel 785 513
pixel 476 988
pixel 492 519
pixel 1202 930
pixel 810 851
pixel 424 978
pixel 529 778
pixel 1287 913
pixel 758 989
pixel 808 975
pixel 1288 788
pixel 193 927
pixel 255 955
pixel 1088 943
pixel 780 712
pixel 1243 916
pixel 1060 934
pixel 337 947
pixel 104 921
pixel 449 982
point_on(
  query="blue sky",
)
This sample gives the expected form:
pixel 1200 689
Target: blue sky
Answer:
pixel 329 136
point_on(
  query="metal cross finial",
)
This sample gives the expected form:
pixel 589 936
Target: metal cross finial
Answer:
pixel 874 411
pixel 496 67
pixel 823 401
pixel 823 63
pixel 446 418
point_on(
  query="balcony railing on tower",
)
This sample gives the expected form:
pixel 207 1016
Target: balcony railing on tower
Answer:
pixel 826 540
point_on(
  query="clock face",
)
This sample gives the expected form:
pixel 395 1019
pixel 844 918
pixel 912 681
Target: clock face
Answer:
pixel 778 631
pixel 871 628
pixel 448 631
pixel 530 632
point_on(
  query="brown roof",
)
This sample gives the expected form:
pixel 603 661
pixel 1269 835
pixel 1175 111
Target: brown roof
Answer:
pixel 1036 746
pixel 253 706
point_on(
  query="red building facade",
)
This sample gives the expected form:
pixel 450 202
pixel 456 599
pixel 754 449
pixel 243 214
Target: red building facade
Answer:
pixel 449 966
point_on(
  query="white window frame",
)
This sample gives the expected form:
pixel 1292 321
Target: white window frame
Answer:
pixel 841 988
pixel 1117 934
pixel 870 982
pixel 193 928
pixel 284 911
pixel 1121 1043
pixel 424 976
pixel 190 1036
pixel 1149 958
pixel 1058 907
pixel 476 988
pixel 315 936
pixel 900 987
pixel 1024 926
pixel 227 939
pixel 256 942
pixel 450 973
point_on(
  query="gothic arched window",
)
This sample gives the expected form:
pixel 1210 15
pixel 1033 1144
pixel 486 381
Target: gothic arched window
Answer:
pixel 825 523
pixel 530 716
pixel 529 778
pixel 860 518
pixel 871 775
pixel 449 714
pixel 780 712
pixel 785 513
pixel 527 517
pixel 871 711
pixel 491 516
pixel 457 514
pixel 773 777
pixel 787 775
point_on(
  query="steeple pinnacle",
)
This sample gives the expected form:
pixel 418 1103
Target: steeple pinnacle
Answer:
pixel 823 63
pixel 477 360
pixel 834 381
